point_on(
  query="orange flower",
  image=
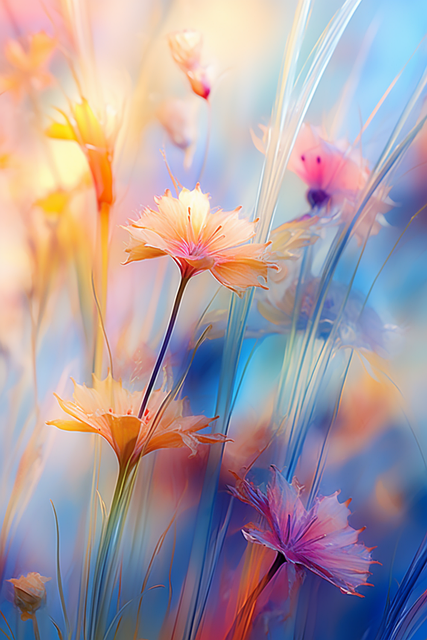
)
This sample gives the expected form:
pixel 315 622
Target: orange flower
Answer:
pixel 30 593
pixel 186 49
pixel 111 411
pixel 28 64
pixel 199 240
pixel 90 133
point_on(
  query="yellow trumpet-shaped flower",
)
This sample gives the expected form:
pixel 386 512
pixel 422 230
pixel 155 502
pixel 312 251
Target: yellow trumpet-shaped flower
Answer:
pixel 112 412
pixel 91 135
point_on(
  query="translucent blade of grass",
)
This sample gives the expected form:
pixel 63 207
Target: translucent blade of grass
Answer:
pixel 59 576
pixel 326 279
pixel 395 612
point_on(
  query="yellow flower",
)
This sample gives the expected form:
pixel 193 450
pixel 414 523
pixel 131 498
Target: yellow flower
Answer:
pixel 27 64
pixel 29 593
pixel 90 133
pixel 199 240
pixel 112 412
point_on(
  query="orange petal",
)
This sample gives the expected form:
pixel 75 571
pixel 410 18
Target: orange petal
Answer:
pixel 124 433
pixel 72 425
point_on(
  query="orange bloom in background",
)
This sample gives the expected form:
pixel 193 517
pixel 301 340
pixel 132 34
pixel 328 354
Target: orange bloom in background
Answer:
pixel 112 412
pixel 29 593
pixel 186 49
pixel 91 135
pixel 27 64
pixel 199 240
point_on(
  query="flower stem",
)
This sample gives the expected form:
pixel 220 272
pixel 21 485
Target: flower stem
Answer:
pixel 105 567
pixel 104 218
pixel 207 143
pixel 240 625
pixel 166 340
pixel 35 627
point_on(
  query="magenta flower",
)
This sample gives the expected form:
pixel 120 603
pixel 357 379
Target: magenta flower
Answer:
pixel 332 172
pixel 320 539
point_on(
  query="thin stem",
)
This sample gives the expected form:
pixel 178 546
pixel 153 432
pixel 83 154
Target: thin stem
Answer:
pixel 104 217
pixel 35 627
pixel 207 143
pixel 246 611
pixel 166 340
pixel 107 552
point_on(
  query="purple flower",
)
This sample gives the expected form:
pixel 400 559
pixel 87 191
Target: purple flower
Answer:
pixel 320 539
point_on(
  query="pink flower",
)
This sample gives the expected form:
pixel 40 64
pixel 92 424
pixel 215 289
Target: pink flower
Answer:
pixel 186 50
pixel 336 175
pixel 332 172
pixel 199 240
pixel 319 539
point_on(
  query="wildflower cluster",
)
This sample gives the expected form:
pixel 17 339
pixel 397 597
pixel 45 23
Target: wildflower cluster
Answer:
pixel 258 347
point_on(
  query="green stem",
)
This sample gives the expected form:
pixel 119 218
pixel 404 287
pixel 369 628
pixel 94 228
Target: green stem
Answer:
pixel 107 553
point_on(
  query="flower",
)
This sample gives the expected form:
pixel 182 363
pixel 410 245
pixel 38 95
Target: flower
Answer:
pixel 96 143
pixel 336 175
pixel 199 240
pixel 359 326
pixel 320 539
pixel 186 49
pixel 332 172
pixel 290 237
pixel 112 412
pixel 28 64
pixel 29 593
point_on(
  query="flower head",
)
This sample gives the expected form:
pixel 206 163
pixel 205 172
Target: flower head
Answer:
pixel 112 412
pixel 186 50
pixel 96 143
pixel 320 539
pixel 336 175
pixel 27 63
pixel 199 240
pixel 331 172
pixel 29 593
pixel 359 326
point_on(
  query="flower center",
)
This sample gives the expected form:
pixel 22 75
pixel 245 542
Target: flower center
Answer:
pixel 317 197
